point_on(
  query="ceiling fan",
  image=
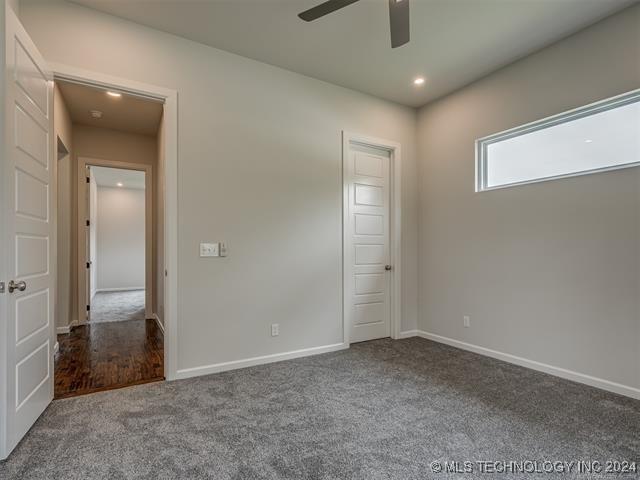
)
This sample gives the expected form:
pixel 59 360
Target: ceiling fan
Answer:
pixel 398 17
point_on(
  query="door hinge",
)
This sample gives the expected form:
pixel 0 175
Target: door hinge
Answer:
pixel 88 223
pixel 88 180
pixel 88 264
pixel 1 287
pixel 88 307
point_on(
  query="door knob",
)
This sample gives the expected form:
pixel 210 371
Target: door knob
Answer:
pixel 387 267
pixel 21 286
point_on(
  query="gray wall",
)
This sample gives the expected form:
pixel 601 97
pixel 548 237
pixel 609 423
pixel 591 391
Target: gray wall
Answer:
pixel 259 167
pixel 15 4
pixel 550 271
pixel 120 239
pixel 66 261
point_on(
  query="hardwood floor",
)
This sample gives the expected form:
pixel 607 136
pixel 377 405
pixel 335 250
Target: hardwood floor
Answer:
pixel 110 355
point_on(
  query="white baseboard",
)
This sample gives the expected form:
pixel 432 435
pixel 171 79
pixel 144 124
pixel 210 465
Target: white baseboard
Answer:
pixel 118 289
pixel 157 319
pixel 250 362
pixel 408 334
pixel 601 383
pixel 67 329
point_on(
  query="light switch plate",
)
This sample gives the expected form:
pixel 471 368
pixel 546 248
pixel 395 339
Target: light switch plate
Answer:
pixel 209 250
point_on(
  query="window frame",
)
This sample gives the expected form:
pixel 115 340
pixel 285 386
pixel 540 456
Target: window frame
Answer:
pixel 481 144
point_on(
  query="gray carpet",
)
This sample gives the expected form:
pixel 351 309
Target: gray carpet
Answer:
pixel 381 410
pixel 117 306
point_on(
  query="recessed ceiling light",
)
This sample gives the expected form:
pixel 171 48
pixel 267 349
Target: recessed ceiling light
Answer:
pixel 588 141
pixel 114 94
pixel 419 81
pixel 120 184
pixel 95 113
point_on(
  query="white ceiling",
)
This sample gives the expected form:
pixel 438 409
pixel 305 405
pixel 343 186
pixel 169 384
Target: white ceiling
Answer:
pixel 453 42
pixel 126 114
pixel 110 177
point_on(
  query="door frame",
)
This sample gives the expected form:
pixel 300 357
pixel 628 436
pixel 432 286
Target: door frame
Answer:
pixel 83 163
pixel 170 125
pixel 395 228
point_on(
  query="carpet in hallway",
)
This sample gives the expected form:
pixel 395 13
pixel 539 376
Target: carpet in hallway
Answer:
pixel 117 306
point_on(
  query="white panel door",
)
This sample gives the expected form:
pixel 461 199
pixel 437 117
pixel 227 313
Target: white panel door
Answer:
pixel 27 174
pixel 367 281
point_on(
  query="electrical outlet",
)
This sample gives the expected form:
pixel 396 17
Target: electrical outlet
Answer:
pixel 467 321
pixel 275 329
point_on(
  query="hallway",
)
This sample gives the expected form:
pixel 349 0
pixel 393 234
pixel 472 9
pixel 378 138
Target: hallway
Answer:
pixel 117 306
pixel 109 355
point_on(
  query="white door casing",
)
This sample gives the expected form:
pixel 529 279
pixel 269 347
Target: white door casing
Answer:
pixel 370 235
pixel 170 151
pixel 93 234
pixel 90 231
pixel 28 233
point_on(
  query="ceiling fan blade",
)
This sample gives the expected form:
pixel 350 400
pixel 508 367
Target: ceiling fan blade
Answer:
pixel 399 22
pixel 324 9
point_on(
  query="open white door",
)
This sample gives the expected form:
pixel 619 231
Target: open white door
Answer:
pixel 27 236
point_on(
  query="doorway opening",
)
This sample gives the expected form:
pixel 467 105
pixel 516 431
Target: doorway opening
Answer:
pixel 116 245
pixel 110 298
pixel 39 198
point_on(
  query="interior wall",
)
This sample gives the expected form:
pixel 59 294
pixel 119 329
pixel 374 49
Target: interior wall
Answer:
pixel 107 144
pixel 95 142
pixel 120 238
pixel 260 168
pixel 15 5
pixel 548 271
pixel 66 263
